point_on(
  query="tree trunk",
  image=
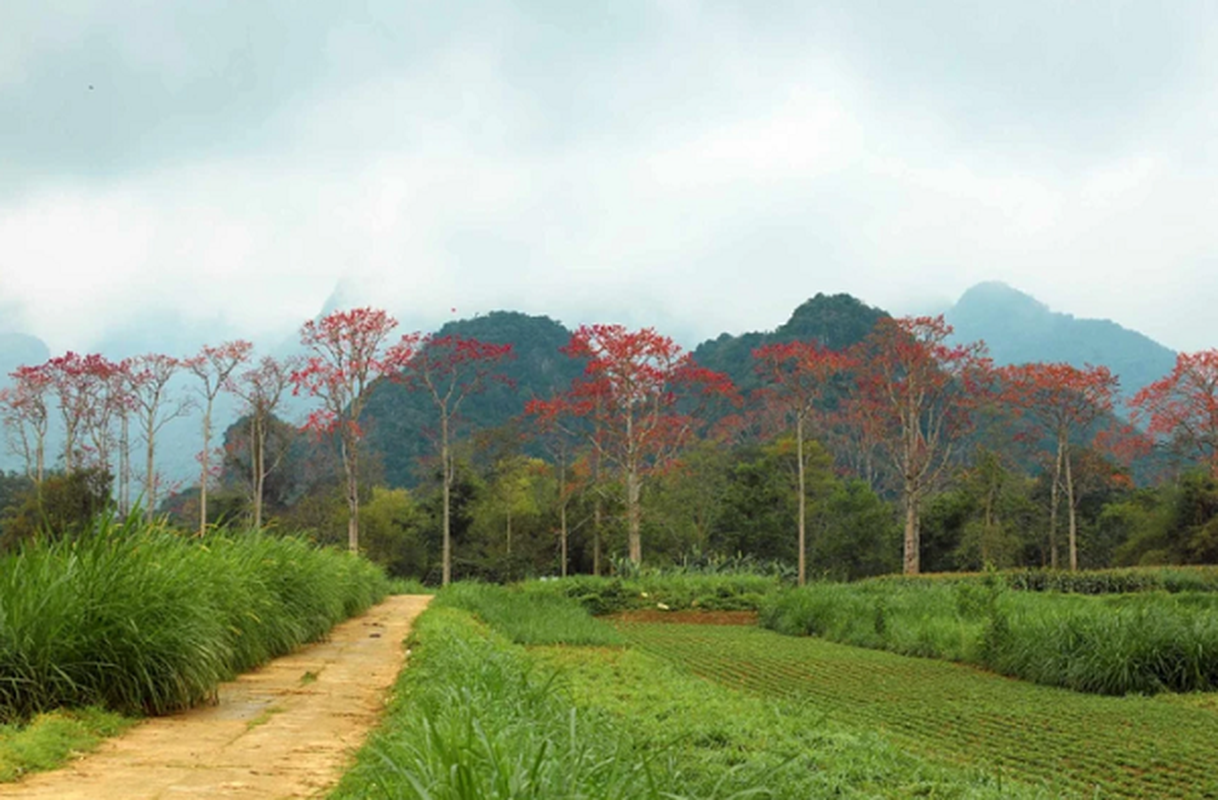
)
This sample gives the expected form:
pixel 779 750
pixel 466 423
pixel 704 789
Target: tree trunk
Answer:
pixel 1072 515
pixel 447 480
pixel 1057 476
pixel 258 453
pixel 351 465
pixel 124 467
pixel 150 475
pixel 562 539
pixel 596 537
pixel 633 516
pixel 803 501
pixel 203 476
pixel 912 563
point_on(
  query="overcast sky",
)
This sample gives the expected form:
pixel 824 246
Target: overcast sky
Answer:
pixel 701 167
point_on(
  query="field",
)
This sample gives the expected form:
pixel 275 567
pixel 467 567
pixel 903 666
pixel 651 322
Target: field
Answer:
pixel 1068 742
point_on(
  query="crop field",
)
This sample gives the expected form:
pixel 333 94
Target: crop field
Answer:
pixel 1133 746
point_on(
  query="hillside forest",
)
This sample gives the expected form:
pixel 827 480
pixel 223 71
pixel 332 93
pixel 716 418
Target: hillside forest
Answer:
pixel 844 443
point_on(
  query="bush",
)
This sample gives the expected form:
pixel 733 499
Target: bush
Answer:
pixel 601 595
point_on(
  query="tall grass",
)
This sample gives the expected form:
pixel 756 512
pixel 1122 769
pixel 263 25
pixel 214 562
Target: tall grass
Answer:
pixel 140 620
pixel 529 617
pixel 1114 644
pixel 474 718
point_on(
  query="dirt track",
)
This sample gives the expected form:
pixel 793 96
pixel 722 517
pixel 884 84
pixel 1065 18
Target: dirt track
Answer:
pixel 286 730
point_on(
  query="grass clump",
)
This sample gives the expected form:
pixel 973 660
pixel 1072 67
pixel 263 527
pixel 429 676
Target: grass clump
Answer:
pixel 473 717
pixel 143 621
pixel 529 617
pixel 50 739
pixel 1146 642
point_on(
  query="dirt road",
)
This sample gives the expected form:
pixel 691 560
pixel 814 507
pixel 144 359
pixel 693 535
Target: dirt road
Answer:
pixel 287 730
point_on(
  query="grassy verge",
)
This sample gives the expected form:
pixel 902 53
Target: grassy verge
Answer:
pixel 50 739
pixel 1069 743
pixel 529 617
pixel 1113 644
pixel 141 621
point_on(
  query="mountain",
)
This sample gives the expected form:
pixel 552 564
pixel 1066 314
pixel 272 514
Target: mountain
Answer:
pixel 19 349
pixel 1018 328
pixel 836 321
pixel 399 422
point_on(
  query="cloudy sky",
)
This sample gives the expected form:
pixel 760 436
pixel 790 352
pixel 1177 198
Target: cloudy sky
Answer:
pixel 185 167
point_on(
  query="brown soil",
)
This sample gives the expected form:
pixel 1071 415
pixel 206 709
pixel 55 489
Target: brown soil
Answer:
pixel 690 617
pixel 287 730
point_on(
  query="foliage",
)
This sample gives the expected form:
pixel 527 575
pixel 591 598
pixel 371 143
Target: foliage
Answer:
pixel 62 507
pixel 654 589
pixel 1117 644
pixel 1071 744
pixel 1181 408
pixel 139 620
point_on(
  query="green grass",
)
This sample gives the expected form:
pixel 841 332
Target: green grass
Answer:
pixel 1070 743
pixel 48 740
pixel 1100 581
pixel 473 717
pixel 528 617
pixel 409 586
pixel 741 592
pixel 1146 642
pixel 142 621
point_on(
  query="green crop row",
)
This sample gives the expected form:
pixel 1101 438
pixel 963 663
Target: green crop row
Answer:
pixel 602 595
pixel 1115 644
pixel 529 617
pixel 1067 743
pixel 142 621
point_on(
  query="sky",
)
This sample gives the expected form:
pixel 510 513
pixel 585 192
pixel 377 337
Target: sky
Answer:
pixel 180 171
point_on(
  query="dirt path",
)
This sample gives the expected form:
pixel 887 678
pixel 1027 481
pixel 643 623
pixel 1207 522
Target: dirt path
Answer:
pixel 287 730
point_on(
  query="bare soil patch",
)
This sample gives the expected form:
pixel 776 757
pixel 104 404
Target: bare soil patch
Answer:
pixel 688 617
pixel 286 730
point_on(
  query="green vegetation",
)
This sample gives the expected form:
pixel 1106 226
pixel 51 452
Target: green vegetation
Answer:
pixel 529 617
pixel 1069 743
pixel 478 717
pixel 142 621
pixel 1099 581
pixel 669 591
pixel 1113 644
pixel 49 739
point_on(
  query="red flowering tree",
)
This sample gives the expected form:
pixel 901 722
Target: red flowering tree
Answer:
pixel 262 389
pixel 919 391
pixel 643 396
pixel 346 357
pixel 450 369
pixel 797 375
pixel 1063 402
pixel 1181 409
pixel 23 411
pixel 80 383
pixel 213 366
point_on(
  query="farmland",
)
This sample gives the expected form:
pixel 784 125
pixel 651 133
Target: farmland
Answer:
pixel 1068 742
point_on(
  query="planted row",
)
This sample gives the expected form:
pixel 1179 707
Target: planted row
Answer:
pixel 1100 581
pixel 143 621
pixel 1116 644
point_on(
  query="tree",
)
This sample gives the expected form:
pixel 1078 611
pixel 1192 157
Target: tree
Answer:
pixel 1064 402
pixel 262 390
pixel 643 397
pixel 921 390
pixel 80 385
pixel 23 412
pixel 1181 408
pixel 797 375
pixel 213 366
pixel 346 358
pixel 148 379
pixel 450 369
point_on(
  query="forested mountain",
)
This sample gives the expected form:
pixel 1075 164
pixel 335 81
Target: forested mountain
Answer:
pixel 1019 329
pixel 400 423
pixel 836 321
